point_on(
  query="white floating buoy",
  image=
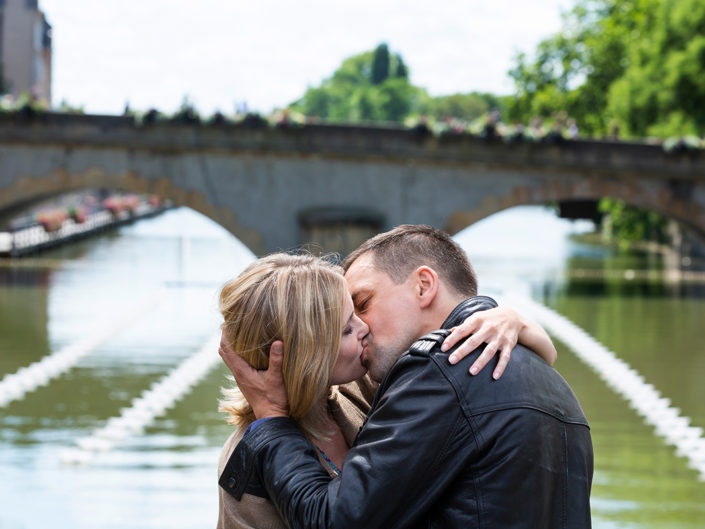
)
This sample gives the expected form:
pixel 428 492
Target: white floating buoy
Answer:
pixel 73 456
pixel 26 379
pixel 152 403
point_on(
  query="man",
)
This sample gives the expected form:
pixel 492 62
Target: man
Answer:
pixel 439 448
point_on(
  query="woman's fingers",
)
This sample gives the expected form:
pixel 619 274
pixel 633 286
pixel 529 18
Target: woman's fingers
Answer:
pixel 467 347
pixel 485 356
pixel 498 328
pixel 504 357
pixel 465 329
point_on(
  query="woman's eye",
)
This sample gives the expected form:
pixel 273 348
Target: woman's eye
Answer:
pixel 347 330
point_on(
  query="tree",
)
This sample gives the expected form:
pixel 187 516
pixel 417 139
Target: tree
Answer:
pixel 363 89
pixel 402 72
pixel 661 92
pixel 627 224
pixel 380 64
pixel 375 86
pixel 638 64
pixel 573 70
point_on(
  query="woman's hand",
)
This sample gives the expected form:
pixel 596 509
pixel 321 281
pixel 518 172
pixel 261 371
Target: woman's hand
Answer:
pixel 264 390
pixel 500 328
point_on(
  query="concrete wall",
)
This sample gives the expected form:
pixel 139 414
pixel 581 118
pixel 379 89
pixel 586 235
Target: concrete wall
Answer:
pixel 258 182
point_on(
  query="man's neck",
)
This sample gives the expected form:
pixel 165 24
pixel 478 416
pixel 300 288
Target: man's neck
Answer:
pixel 439 311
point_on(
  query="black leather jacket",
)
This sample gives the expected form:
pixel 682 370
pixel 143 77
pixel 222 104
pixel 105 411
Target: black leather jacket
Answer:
pixel 440 448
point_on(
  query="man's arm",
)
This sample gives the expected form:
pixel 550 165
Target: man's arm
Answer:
pixel 403 460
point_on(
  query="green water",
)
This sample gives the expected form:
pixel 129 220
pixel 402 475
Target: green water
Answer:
pixel 639 481
pixel 166 477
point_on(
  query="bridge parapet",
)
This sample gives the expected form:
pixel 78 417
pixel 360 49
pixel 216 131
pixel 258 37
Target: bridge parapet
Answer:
pixel 391 143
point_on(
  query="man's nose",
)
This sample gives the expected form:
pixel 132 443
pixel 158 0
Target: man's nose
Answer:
pixel 365 339
pixel 364 330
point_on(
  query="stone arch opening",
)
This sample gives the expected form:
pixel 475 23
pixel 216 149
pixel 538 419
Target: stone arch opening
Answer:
pixel 28 192
pixel 673 200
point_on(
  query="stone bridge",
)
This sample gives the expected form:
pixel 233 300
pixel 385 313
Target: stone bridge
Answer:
pixel 277 187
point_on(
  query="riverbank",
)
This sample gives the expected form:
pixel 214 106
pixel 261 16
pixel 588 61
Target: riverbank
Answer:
pixel 693 259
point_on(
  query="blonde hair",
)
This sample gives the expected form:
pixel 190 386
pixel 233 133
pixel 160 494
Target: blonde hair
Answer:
pixel 298 299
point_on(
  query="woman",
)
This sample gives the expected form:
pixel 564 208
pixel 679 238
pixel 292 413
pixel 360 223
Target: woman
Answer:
pixel 301 304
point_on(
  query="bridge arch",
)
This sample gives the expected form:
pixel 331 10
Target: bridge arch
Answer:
pixel 29 191
pixel 671 200
pixel 257 182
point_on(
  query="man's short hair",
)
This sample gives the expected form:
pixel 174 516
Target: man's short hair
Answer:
pixel 402 250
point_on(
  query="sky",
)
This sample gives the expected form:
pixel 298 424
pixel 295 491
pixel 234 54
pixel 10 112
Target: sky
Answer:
pixel 265 53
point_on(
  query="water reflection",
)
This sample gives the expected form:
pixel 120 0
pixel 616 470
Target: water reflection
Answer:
pixel 166 476
pixel 156 479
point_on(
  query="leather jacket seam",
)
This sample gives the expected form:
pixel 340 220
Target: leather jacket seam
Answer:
pixel 515 406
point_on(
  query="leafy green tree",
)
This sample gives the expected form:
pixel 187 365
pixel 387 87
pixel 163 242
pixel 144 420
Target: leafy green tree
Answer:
pixel 662 92
pixel 573 70
pixel 638 64
pixel 362 89
pixel 380 64
pixel 627 224
pixel 375 86
pixel 402 72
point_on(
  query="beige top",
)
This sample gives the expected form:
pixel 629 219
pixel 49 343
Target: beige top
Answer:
pixel 349 405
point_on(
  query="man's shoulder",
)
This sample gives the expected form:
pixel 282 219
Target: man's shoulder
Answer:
pixel 429 343
pixel 528 381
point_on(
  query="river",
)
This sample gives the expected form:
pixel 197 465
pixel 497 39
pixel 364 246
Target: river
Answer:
pixel 145 298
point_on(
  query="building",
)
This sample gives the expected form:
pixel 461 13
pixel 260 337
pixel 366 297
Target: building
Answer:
pixel 25 49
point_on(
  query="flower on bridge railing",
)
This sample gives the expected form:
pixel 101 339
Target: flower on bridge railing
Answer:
pixel 131 203
pixel 52 220
pixel 78 214
pixel 114 205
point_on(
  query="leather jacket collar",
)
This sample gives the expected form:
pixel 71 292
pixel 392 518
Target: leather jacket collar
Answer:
pixel 466 308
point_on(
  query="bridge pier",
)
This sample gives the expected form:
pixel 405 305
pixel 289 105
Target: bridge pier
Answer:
pixel 338 230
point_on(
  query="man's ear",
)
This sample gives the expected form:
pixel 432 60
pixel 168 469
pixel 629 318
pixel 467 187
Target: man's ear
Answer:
pixel 426 285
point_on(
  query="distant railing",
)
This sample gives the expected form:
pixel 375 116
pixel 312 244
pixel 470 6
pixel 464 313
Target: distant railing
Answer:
pixel 30 239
